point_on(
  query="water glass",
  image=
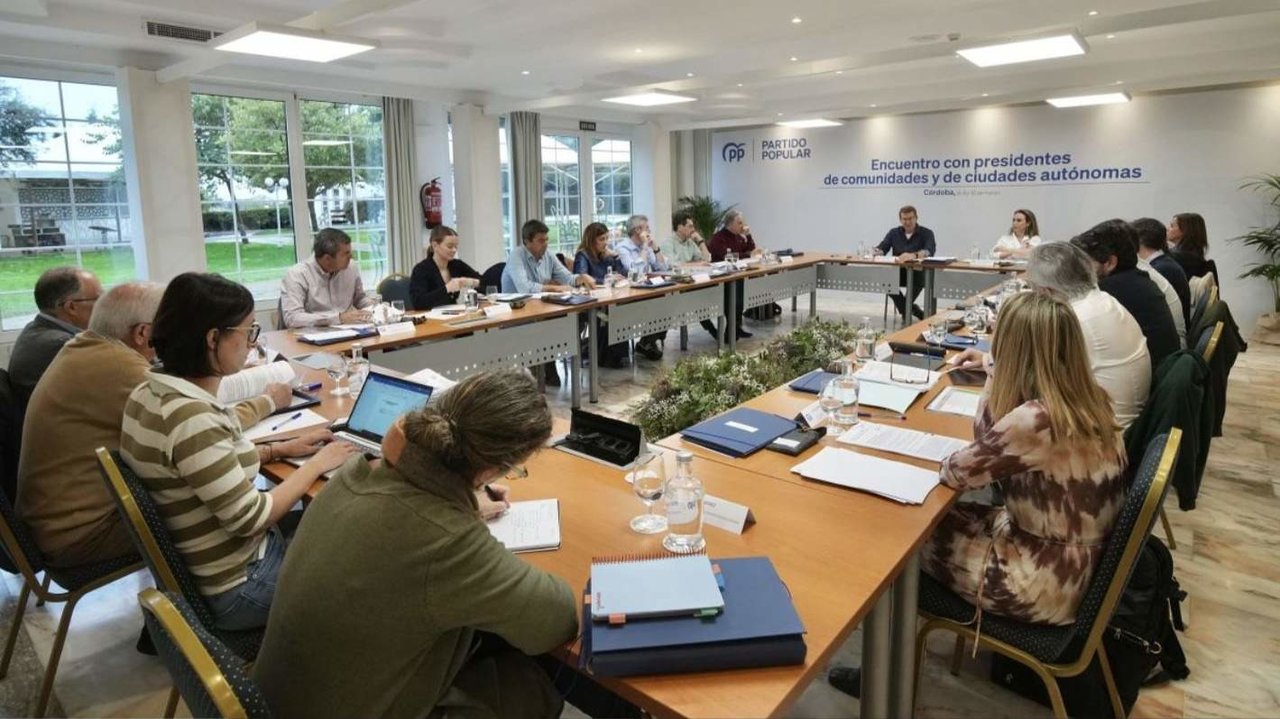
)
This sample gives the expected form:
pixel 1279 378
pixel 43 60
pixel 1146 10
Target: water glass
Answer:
pixel 731 257
pixel 649 482
pixel 975 252
pixel 839 399
pixel 976 320
pixel 338 370
pixel 937 332
pixel 490 291
pixel 398 306
pixel 469 299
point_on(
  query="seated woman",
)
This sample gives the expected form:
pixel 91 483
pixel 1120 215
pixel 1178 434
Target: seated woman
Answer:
pixel 450 616
pixel 1189 245
pixel 1023 235
pixel 597 259
pixel 189 450
pixel 1046 432
pixel 437 279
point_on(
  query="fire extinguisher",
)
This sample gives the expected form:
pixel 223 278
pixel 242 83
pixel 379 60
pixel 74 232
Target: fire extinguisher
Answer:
pixel 432 204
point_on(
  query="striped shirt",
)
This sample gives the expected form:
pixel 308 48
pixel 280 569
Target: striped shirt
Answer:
pixel 190 453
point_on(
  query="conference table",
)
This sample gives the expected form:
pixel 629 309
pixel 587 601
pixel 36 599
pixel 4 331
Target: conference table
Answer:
pixel 847 557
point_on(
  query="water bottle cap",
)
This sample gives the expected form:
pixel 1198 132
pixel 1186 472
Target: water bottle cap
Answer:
pixel 684 456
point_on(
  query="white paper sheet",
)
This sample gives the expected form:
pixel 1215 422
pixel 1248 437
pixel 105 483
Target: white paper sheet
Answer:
pixel 953 400
pixel 886 396
pixel 282 423
pixel 253 381
pixel 531 526
pixel 900 440
pixel 892 480
pixel 431 378
pixel 881 371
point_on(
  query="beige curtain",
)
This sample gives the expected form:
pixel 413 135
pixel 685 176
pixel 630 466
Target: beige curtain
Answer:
pixel 404 212
pixel 526 167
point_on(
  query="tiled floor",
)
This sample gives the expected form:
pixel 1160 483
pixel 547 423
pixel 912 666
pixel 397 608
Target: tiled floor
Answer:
pixel 1228 560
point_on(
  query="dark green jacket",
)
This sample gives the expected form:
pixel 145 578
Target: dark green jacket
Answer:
pixel 1230 345
pixel 1179 398
pixel 383 590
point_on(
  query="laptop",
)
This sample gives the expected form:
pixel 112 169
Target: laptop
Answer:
pixel 381 402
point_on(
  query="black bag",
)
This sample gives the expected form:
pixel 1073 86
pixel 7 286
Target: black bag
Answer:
pixel 1139 637
pixel 764 312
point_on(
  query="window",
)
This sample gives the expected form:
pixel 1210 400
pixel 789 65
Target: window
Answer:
pixel 346 182
pixel 63 199
pixel 611 173
pixel 504 158
pixel 561 192
pixel 242 158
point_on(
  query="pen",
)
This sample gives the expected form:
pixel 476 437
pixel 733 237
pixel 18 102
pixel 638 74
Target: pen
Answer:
pixel 282 423
pixel 868 415
pixel 311 387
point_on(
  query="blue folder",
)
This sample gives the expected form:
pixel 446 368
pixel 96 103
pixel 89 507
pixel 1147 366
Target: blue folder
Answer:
pixel 964 342
pixel 759 627
pixel 739 432
pixel 813 382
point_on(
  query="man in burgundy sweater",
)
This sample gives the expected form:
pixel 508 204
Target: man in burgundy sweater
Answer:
pixel 735 236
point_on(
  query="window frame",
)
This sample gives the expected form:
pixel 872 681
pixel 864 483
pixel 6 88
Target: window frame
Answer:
pixel 586 169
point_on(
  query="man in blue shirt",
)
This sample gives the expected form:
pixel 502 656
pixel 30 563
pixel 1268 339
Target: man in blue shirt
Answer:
pixel 640 250
pixel 909 241
pixel 531 269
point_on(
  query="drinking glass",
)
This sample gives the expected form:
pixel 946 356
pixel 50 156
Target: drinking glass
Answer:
pixel 731 257
pixel 338 371
pixel 490 291
pixel 648 481
pixel 976 320
pixel 469 300
pixel 398 306
pixel 839 399
pixel 937 332
pixel 975 252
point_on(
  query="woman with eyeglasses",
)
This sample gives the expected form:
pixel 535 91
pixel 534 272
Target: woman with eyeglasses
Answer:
pixel 452 617
pixel 189 450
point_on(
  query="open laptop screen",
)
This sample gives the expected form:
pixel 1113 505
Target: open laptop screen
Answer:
pixel 383 399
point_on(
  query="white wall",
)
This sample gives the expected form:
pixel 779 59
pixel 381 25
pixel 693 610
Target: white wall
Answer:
pixel 1193 149
pixel 476 168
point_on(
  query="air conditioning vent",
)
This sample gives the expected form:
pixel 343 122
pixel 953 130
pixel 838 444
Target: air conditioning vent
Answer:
pixel 180 32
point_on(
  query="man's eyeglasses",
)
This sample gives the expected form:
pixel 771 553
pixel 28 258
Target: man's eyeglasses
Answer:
pixel 74 300
pixel 251 332
pixel 517 471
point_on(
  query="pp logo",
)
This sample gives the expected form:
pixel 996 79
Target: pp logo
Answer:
pixel 734 151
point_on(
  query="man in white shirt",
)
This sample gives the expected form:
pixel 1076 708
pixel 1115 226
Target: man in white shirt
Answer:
pixel 639 250
pixel 1117 348
pixel 326 289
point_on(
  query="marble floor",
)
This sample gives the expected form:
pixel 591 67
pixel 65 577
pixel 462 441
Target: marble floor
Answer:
pixel 1228 560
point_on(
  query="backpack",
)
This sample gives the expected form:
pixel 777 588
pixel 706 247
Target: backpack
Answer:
pixel 1139 638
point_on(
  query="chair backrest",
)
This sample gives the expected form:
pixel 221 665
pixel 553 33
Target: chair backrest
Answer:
pixel 1209 338
pixel 280 325
pixel 152 538
pixel 212 680
pixel 1133 524
pixel 20 554
pixel 492 277
pixel 395 287
pixel 1200 293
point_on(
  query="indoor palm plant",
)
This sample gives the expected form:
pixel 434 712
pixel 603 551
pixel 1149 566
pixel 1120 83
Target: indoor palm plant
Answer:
pixel 1266 241
pixel 707 213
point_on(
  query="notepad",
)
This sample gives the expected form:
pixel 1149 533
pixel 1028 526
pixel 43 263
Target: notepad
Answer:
pixel 956 401
pixel 886 478
pixel 281 423
pixel 901 440
pixel 532 526
pixel 631 587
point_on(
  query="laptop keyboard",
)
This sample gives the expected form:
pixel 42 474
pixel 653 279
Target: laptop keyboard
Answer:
pixel 361 442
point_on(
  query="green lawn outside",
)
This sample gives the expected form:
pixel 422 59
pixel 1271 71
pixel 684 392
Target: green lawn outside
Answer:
pixel 260 263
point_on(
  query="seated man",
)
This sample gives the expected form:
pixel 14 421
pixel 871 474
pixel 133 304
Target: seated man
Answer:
pixel 531 269
pixel 907 242
pixel 1117 349
pixel 639 250
pixel 734 236
pixel 77 407
pixel 64 297
pixel 1111 246
pixel 325 289
pixel 1153 242
pixel 686 246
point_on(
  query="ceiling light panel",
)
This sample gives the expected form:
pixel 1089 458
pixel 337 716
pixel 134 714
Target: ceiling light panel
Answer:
pixel 1108 98
pixel 1009 53
pixel 290 43
pixel 650 99
pixel 806 124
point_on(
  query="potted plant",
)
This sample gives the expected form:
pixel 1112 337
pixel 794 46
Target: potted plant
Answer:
pixel 1266 241
pixel 707 213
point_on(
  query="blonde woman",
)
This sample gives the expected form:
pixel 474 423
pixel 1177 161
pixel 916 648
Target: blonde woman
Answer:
pixel 1046 432
pixel 1024 234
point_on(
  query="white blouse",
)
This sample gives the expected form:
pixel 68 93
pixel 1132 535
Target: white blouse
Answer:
pixel 1009 242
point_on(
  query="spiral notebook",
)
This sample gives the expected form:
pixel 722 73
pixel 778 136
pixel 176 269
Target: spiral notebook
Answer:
pixel 659 585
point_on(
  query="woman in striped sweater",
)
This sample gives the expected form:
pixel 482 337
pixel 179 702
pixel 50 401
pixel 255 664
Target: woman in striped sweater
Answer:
pixel 189 450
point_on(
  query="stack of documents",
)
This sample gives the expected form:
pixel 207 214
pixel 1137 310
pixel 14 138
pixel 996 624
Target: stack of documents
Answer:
pixel 900 440
pixel 956 401
pixel 891 480
pixel 892 397
pixel 913 378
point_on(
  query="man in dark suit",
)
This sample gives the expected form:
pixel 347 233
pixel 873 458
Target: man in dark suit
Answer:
pixel 64 297
pixel 1153 244
pixel 1112 248
pixel 909 241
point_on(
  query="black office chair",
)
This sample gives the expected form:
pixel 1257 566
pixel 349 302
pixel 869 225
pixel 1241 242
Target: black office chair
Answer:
pixel 212 680
pixel 12 412
pixel 395 286
pixel 1064 651
pixel 1208 342
pixel 492 277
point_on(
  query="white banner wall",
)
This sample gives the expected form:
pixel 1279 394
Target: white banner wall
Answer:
pixel 966 172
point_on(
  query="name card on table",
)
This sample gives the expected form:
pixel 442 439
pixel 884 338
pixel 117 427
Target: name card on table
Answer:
pixel 701 277
pixel 813 414
pixel 395 329
pixel 729 516
pixel 497 310
pixel 786 259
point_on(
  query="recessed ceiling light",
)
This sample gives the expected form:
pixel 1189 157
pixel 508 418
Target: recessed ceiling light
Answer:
pixel 688 74
pixel 794 58
pixel 650 99
pixel 1008 53
pixel 739 84
pixel 524 72
pixel 779 114
pixel 1093 13
pixel 796 20
pixel 1111 37
pixel 839 72
pixel 986 94
pixel 290 43
pixel 815 122
pixel 1118 82
pixel 874 105
pixel 1109 98
pixel 325 143
pixel 639 50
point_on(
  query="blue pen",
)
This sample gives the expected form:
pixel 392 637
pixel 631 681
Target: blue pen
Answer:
pixel 311 387
pixel 292 417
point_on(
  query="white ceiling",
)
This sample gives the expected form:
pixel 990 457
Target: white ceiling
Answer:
pixel 850 54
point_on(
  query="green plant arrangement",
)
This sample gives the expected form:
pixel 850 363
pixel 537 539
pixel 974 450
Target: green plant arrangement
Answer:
pixel 1266 240
pixel 705 385
pixel 707 213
